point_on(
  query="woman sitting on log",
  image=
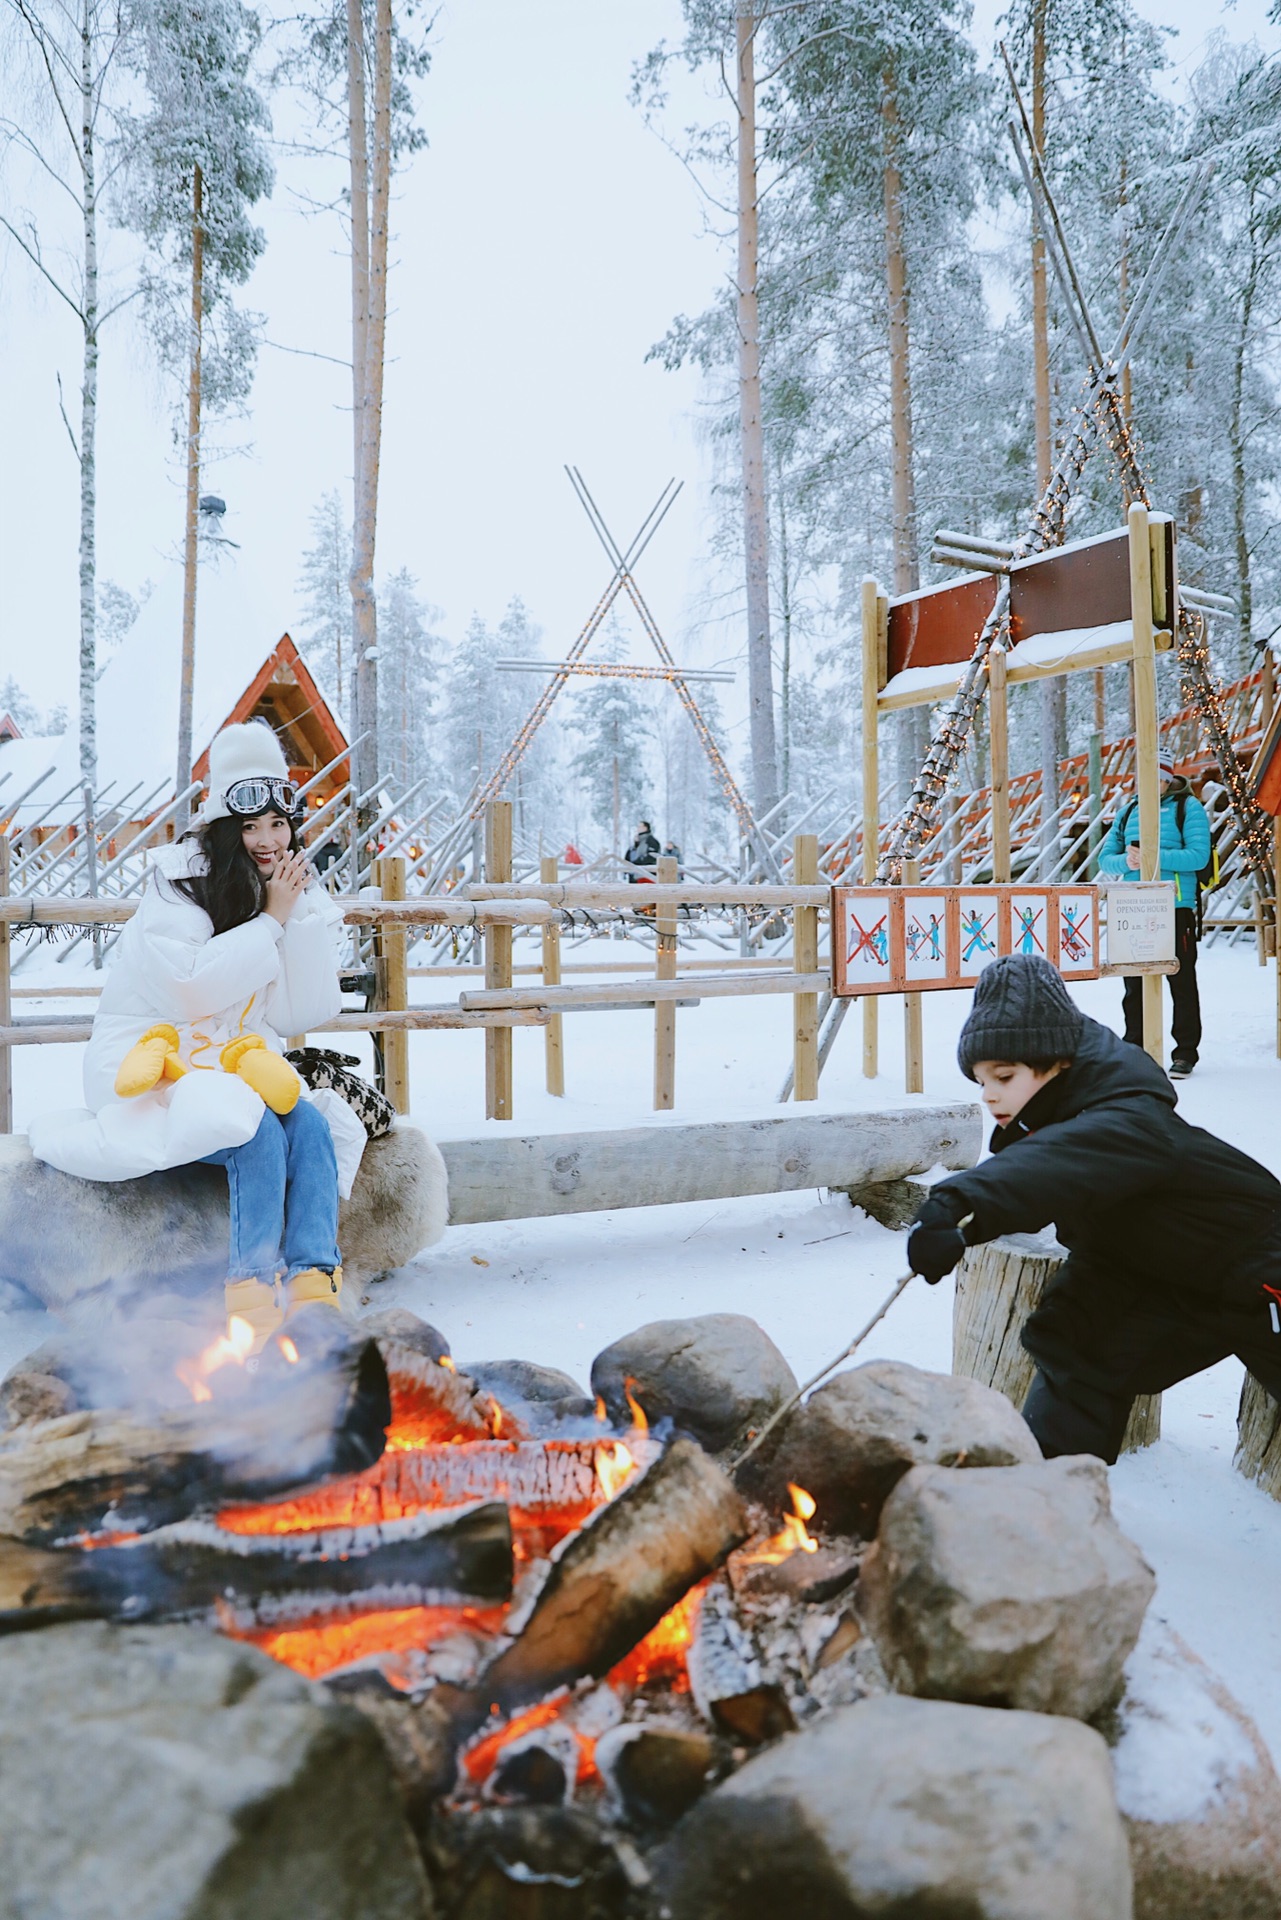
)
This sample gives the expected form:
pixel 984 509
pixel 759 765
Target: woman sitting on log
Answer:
pixel 1173 1236
pixel 233 944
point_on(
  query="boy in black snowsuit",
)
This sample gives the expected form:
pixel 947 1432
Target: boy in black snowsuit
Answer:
pixel 1174 1237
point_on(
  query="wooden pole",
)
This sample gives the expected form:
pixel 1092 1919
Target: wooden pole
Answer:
pixel 6 1011
pixel 1147 777
pixel 393 983
pixel 498 963
pixel 913 1037
pixel 805 960
pixel 554 1041
pixel 665 923
pixel 999 728
pixel 871 624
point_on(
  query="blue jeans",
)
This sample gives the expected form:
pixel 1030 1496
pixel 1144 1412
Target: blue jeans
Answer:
pixel 284 1186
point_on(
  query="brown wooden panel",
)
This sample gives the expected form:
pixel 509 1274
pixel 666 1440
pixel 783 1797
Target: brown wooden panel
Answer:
pixel 939 627
pixel 1087 586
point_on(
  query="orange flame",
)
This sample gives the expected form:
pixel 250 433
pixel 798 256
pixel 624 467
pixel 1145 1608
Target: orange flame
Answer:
pixel 601 1413
pixel 446 1361
pixel 639 1423
pixel 661 1654
pixel 236 1344
pixel 495 1420
pixel 793 1537
pixel 288 1348
pixel 615 1465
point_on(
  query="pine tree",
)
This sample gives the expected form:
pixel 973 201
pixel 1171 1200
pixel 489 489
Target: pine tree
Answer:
pixel 610 765
pixel 325 641
pixel 196 163
pixel 409 650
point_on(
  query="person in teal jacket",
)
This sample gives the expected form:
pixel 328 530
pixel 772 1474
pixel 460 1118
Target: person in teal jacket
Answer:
pixel 1185 849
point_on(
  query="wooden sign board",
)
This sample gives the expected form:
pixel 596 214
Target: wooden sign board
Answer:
pixel 1140 924
pixel 913 939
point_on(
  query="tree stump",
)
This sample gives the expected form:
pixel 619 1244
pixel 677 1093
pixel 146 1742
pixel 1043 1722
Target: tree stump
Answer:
pixel 997 1286
pixel 1258 1454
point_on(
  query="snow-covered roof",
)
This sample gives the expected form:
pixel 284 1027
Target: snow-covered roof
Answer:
pixel 1035 659
pixel 137 697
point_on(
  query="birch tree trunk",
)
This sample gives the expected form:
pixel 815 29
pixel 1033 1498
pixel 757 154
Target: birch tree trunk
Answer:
pixel 191 544
pixel 1053 696
pixel 760 666
pixel 913 727
pixel 1236 443
pixel 360 580
pixel 88 415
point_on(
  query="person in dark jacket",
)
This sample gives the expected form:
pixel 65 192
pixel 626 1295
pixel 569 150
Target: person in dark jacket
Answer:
pixel 1186 846
pixel 1173 1236
pixel 643 851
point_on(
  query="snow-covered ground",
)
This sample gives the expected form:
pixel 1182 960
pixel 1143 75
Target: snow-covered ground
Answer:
pixel 809 1270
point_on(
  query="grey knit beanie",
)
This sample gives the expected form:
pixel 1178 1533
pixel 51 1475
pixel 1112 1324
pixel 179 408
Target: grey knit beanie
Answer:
pixel 1021 1011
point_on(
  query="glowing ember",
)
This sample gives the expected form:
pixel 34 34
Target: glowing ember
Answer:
pixel 315 1648
pixel 236 1344
pixel 794 1537
pixel 661 1654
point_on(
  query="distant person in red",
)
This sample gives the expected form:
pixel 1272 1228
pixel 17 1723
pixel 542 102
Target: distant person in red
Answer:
pixel 571 856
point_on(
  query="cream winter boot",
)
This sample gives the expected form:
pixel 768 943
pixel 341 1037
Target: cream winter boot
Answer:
pixel 257 1303
pixel 313 1288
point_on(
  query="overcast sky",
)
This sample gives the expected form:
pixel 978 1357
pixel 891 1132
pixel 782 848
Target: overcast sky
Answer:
pixel 543 243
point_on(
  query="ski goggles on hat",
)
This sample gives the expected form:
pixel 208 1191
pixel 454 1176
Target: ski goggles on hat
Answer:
pixel 259 795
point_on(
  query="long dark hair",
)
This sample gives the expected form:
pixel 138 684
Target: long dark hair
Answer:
pixel 231 890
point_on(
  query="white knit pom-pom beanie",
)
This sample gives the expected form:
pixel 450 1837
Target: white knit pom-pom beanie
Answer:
pixel 250 751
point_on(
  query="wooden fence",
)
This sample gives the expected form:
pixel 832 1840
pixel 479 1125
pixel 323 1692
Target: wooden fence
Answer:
pixel 496 908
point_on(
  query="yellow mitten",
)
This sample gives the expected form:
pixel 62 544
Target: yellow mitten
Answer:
pixel 148 1060
pixel 269 1074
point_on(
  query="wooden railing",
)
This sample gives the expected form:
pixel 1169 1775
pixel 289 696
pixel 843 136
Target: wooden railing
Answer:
pixel 496 909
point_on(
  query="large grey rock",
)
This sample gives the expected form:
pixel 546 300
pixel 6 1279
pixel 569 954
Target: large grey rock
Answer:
pixel 713 1375
pixel 164 1773
pixel 1197 1789
pixel 855 1438
pixel 77 1244
pixel 1008 1587
pixel 908 1810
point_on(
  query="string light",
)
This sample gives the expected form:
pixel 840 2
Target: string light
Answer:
pixel 1098 413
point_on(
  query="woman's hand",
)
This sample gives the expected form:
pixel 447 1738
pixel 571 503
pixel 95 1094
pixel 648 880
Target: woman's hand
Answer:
pixel 292 875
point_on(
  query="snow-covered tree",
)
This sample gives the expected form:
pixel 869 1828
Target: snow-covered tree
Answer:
pixel 325 641
pixel 613 726
pixel 197 162
pixel 410 650
pixel 69 54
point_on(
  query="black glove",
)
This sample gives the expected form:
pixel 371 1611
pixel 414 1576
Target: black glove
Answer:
pixel 936 1242
pixel 934 1251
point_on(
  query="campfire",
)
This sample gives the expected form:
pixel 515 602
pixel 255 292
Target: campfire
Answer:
pixel 553 1585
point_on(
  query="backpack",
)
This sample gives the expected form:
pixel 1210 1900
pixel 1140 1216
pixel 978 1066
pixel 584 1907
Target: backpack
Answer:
pixel 1208 877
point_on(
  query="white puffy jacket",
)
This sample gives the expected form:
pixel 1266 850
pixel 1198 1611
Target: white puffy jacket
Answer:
pixel 169 966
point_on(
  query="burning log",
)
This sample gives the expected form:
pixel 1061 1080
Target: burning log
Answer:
pixel 616 1578
pixel 190 1567
pixel 247 1437
pixel 563 1477
pixel 432 1402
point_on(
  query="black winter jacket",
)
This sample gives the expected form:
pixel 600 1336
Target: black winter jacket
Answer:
pixel 1129 1186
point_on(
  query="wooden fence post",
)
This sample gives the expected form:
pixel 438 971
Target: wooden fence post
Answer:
pixel 805 960
pixel 874 610
pixel 6 1010
pixel 1147 779
pixel 913 1036
pixel 665 924
pixel 553 1039
pixel 998 721
pixel 392 948
pixel 498 963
